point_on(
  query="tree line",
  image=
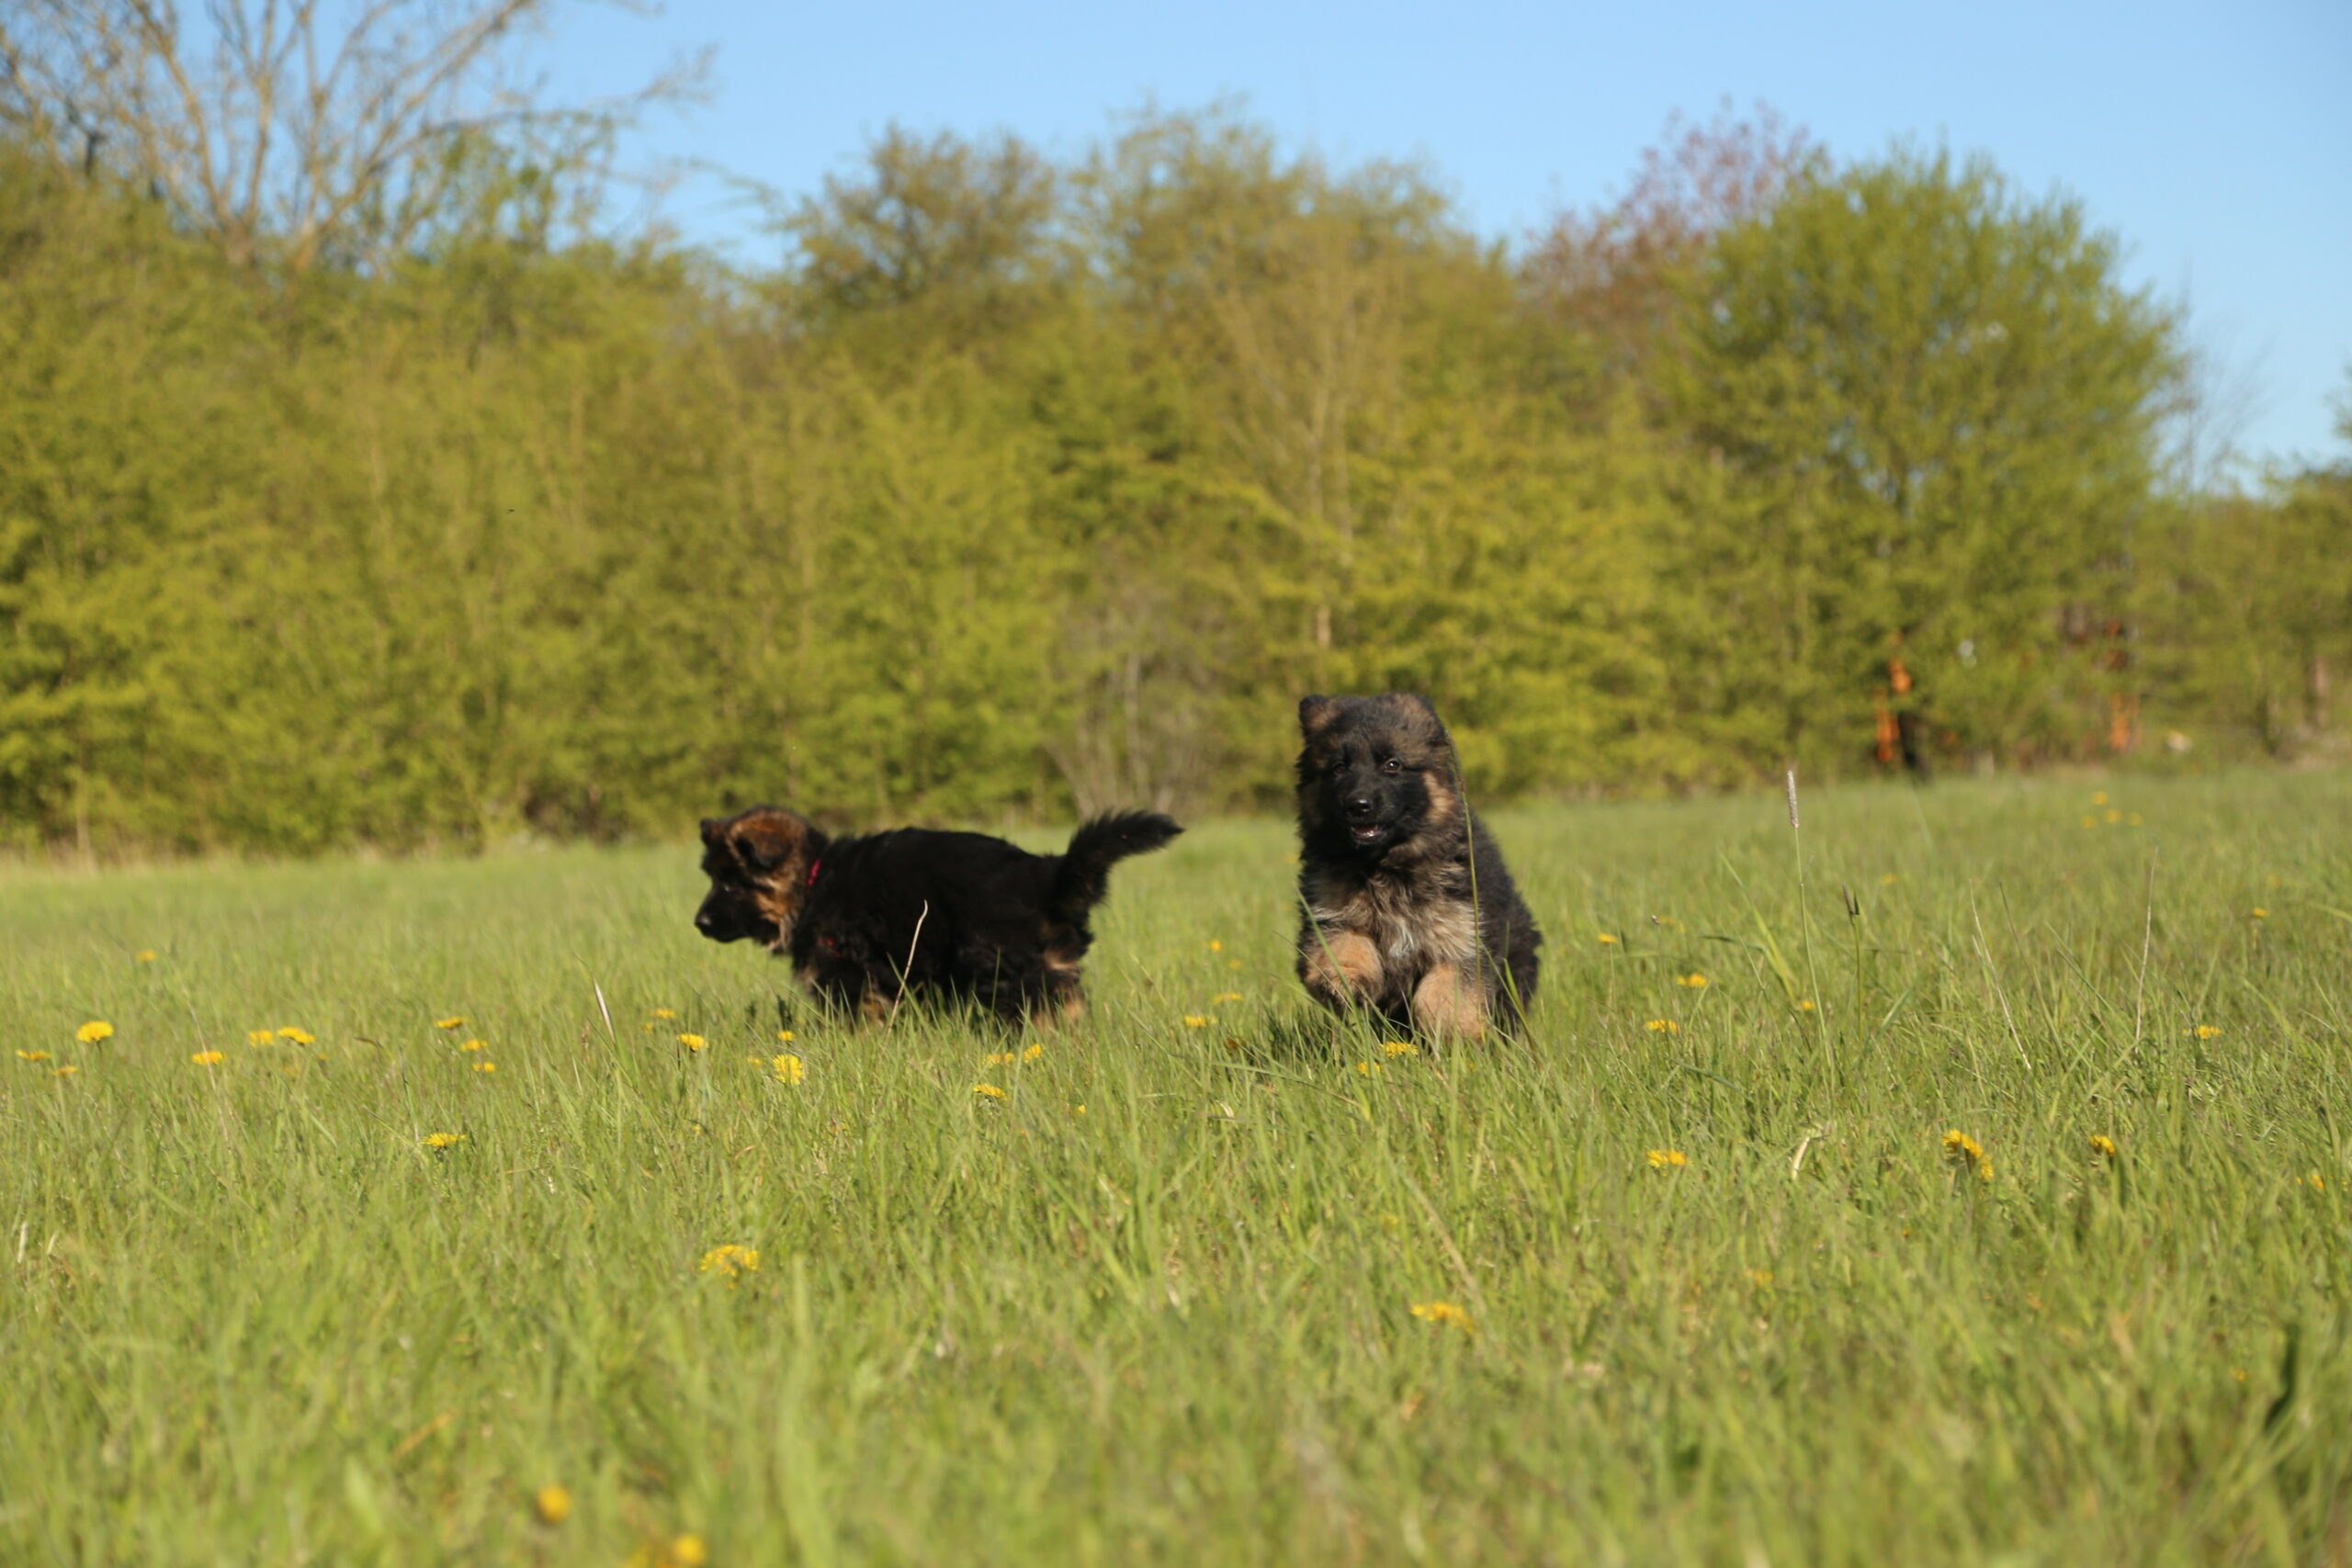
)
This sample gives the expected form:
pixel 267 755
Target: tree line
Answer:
pixel 432 512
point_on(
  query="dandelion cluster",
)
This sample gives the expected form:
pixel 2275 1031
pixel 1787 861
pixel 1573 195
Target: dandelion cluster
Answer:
pixel 1444 1313
pixel 1661 1160
pixel 1401 1048
pixel 731 1260
pixel 485 1067
pixel 207 1058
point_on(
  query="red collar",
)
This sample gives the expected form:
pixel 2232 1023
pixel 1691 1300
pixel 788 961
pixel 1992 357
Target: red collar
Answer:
pixel 813 867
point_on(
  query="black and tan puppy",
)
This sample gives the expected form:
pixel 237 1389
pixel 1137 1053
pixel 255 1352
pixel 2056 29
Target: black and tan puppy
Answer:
pixel 1407 908
pixel 963 917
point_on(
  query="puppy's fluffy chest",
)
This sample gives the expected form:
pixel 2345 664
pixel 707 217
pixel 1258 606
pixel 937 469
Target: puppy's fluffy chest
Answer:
pixel 1415 920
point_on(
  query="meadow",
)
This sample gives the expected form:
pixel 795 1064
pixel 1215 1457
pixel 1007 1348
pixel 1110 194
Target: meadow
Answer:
pixel 1986 1200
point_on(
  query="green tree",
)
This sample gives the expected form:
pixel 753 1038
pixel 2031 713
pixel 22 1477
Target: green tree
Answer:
pixel 1921 415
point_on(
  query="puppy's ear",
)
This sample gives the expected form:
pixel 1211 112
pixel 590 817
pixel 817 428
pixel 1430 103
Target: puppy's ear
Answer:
pixel 1316 714
pixel 711 827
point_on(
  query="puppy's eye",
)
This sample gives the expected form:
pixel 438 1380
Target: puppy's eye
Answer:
pixel 1391 765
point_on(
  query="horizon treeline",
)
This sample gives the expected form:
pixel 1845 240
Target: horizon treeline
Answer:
pixel 1023 487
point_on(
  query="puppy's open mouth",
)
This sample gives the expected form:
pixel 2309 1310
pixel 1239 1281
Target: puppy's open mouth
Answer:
pixel 1367 832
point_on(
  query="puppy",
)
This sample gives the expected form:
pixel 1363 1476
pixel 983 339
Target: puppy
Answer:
pixel 960 916
pixel 1408 908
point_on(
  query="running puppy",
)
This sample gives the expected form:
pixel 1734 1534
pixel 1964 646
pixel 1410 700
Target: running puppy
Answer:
pixel 960 916
pixel 1407 908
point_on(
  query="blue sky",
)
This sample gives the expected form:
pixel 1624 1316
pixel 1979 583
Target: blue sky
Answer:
pixel 2216 139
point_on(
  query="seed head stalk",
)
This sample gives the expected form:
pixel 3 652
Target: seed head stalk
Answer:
pixel 1804 922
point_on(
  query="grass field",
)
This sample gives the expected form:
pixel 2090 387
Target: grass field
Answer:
pixel 1691 1275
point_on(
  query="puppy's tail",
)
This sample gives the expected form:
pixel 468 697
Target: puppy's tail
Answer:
pixel 1084 875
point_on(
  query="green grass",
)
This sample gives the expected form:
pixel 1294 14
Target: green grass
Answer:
pixel 249 1318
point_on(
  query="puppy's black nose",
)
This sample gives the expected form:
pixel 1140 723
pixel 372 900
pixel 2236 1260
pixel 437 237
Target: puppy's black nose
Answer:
pixel 702 922
pixel 1359 806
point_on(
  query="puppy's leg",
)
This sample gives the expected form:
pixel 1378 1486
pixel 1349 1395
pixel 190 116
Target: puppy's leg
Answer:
pixel 1341 968
pixel 1450 1002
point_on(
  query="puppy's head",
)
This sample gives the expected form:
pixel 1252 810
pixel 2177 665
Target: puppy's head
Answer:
pixel 1375 773
pixel 759 866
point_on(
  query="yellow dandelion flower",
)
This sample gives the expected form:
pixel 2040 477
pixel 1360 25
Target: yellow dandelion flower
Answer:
pixel 552 1504
pixel 687 1552
pixel 1370 1069
pixel 1032 1053
pixel 2319 1182
pixel 475 1045
pixel 144 955
pixel 68 1070
pixel 1224 996
pixel 34 1055
pixel 1805 1005
pixel 2102 1145
pixel 785 1035
pixel 1233 963
pixel 1216 946
pixel 1443 1313
pixel 999 1058
pixel 1077 1110
pixel 1662 1026
pixel 2205 1031
pixel 1694 982
pixel 2259 913
pixel 731 1260
pixel 1401 1048
pixel 1606 940
pixel 455 1021
pixel 97 1029
pixel 485 1067
pixel 260 1036
pixel 1661 1158
pixel 693 1042
pixel 299 1036
pixel 788 1068
pixel 1962 1149
pixel 2114 817
pixel 2099 797
pixel 205 1058
pixel 1195 1020
pixel 443 1140
pixel 988 1090
pixel 665 1014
